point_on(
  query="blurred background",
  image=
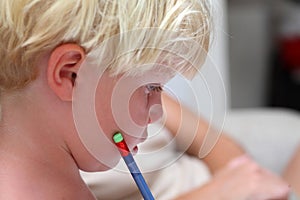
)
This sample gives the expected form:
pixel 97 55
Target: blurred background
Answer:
pixel 249 86
pixel 264 53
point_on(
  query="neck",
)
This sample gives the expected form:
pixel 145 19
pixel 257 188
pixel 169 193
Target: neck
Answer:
pixel 26 135
pixel 33 147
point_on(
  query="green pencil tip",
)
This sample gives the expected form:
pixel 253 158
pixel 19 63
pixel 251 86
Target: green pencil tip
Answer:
pixel 118 137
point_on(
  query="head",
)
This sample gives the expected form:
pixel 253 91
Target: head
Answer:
pixel 49 40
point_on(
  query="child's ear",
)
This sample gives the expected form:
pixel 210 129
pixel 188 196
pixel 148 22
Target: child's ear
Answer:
pixel 63 66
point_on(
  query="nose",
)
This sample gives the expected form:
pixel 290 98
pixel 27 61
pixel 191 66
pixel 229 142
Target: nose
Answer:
pixel 155 107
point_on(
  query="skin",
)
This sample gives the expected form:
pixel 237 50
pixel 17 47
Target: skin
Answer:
pixel 34 149
pixel 241 179
pixel 39 142
pixel 38 138
pixel 179 117
pixel 235 175
pixel 292 173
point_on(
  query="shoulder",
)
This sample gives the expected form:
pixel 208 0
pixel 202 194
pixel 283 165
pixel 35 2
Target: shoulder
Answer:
pixel 21 182
pixel 15 188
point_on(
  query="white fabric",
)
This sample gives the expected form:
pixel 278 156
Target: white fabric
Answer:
pixel 269 135
pixel 168 174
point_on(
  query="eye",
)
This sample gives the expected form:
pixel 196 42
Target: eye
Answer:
pixel 153 88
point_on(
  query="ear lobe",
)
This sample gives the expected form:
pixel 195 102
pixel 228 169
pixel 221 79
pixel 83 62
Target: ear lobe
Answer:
pixel 63 66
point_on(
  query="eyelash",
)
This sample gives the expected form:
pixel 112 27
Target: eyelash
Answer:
pixel 154 88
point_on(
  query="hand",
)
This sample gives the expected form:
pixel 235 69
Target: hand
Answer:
pixel 244 179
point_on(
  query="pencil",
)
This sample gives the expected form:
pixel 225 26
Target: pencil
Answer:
pixel 132 166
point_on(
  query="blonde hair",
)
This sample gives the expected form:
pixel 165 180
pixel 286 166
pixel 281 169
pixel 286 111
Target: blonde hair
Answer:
pixel 29 28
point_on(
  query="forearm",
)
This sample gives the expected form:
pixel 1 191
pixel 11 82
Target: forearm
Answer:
pixel 224 151
pixel 190 131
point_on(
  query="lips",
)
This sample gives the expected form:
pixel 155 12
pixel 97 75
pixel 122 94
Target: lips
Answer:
pixel 132 142
pixel 135 150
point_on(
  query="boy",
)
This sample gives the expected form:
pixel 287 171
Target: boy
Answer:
pixel 45 46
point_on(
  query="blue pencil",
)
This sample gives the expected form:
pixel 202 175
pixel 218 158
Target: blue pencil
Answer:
pixel 132 166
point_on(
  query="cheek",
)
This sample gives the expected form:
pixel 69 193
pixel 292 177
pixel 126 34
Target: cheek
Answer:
pixel 97 127
pixel 104 111
pixel 138 107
